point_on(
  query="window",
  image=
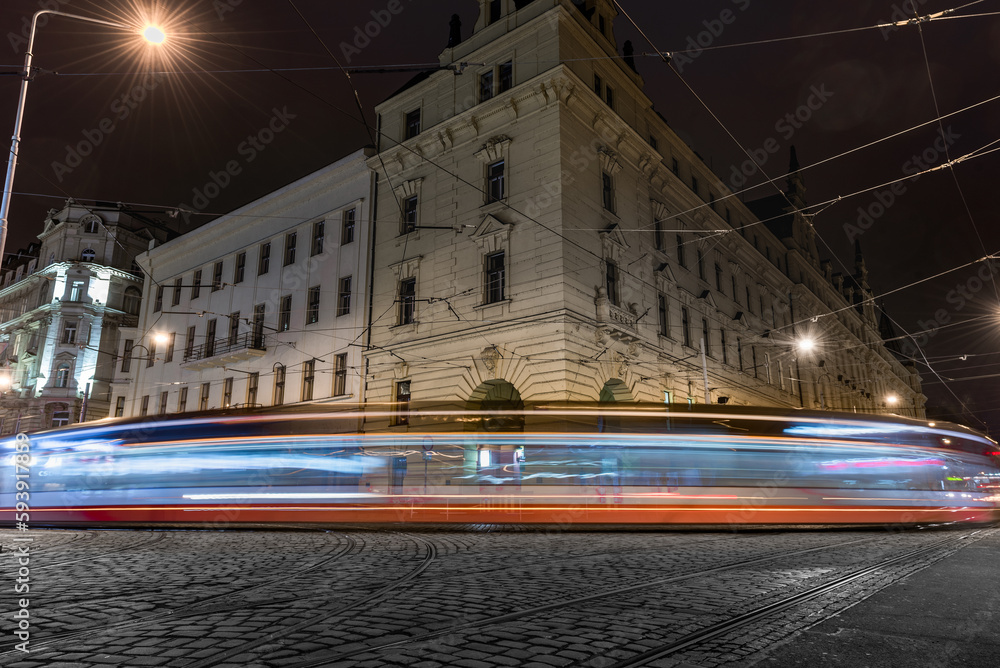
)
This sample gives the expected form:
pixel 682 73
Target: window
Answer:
pixel 175 298
pixel 675 166
pixel 144 406
pixel 279 385
pixel 718 277
pixel 164 396
pixel 412 124
pixel 78 292
pixel 90 225
pixel 609 96
pixel 611 281
pixel 227 392
pixel 182 400
pixel 347 227
pixel 285 313
pixel 494 11
pixel 736 295
pixel 151 357
pixel 308 379
pixel 241 267
pixel 189 344
pixel 210 338
pixel 253 382
pixel 69 333
pixel 608 192
pixel 748 298
pixel 767 367
pixel 87 255
pixel 290 241
pixel 598 85
pixel 407 300
pixel 217 277
pixel 686 326
pixel 653 144
pixel 127 356
pixel 664 315
pixel 196 285
pixel 725 352
pixel 781 377
pixel 158 300
pixel 495 189
pixel 312 309
pixel 168 355
pixel 234 328
pixel 739 351
pixel 344 296
pixel 402 402
pixel 705 337
pixel 62 375
pixel 658 234
pixel 680 251
pixel 701 265
pixel 130 302
pixel 495 278
pixel 206 390
pixel 340 375
pixel 485 86
pixel 694 184
pixel 505 78
pixel 319 232
pixel 753 360
pixel 120 407
pixel 258 326
pixel 409 215
pixel 602 24
pixel 264 259
pixel 711 199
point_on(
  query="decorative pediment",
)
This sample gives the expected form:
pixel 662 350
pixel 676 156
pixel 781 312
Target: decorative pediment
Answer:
pixel 742 319
pixel 494 149
pixel 614 242
pixel 707 296
pixel 660 210
pixel 609 161
pixel 408 188
pixel 664 276
pixel 492 234
pixel 406 268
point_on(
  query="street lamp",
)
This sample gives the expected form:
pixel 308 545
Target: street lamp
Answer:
pixel 152 34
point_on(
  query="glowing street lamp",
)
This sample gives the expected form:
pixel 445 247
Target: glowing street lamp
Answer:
pixel 152 34
pixel 807 345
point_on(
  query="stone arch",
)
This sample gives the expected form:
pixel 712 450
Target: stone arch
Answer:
pixel 615 390
pixel 497 395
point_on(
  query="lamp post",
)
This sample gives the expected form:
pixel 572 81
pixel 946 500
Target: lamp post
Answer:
pixel 152 34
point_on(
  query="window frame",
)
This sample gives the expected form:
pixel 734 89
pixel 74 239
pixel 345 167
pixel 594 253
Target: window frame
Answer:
pixel 344 293
pixel 291 241
pixel 312 305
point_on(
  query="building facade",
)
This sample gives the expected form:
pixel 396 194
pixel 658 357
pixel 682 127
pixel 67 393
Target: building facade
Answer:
pixel 63 303
pixel 263 306
pixel 544 235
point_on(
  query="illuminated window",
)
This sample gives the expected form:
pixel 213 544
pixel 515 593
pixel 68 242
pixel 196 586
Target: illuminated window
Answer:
pixel 402 415
pixel 279 385
pixel 319 234
pixel 344 296
pixel 62 375
pixel 308 379
pixel 340 375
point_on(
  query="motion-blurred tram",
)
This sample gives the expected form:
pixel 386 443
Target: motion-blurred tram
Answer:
pixel 547 464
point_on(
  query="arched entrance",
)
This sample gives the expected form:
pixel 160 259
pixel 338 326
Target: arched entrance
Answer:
pixel 490 460
pixel 615 390
pixel 500 396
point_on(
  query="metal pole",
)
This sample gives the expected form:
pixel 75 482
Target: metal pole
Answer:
pixel 704 370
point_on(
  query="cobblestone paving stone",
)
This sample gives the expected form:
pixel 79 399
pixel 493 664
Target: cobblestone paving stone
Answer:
pixel 277 599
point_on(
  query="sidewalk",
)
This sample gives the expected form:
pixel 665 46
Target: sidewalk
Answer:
pixel 947 615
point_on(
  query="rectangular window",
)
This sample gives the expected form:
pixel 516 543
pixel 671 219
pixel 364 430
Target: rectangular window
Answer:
pixel 151 358
pixel 402 402
pixel 164 397
pixel 658 235
pixel 196 285
pixel 664 315
pixel 718 277
pixel 495 278
pixel 182 400
pixel 78 292
pixel 611 281
pixel 680 251
pixel 144 406
pixel 409 215
pixel 711 199
pixel 608 192
pixel 407 300
pixel 319 232
pixel 609 96
pixel 120 407
pixel 189 344
pixel 598 86
pixel 748 298
pixel 694 184
pixel 736 294
pixel 69 333
pixel 290 240
pixel 686 326
pixel 285 314
pixel 234 328
pixel 206 389
pixel 675 166
pixel 485 86
pixel 781 377
pixel 127 356
pixel 168 355
pixel 279 385
pixel 495 8
pixel 725 352
pixel 701 265
pixel 312 307
pixel 227 392
pixel 347 227
pixel 412 124
pixel 210 338
pixel 157 300
pixel 340 375
pixel 344 296
pixel 505 79
pixel 241 267
pixel 495 182
pixel 217 277
pixel 264 259
pixel 767 367
pixel 706 337
pixel 175 299
pixel 253 382
pixel 739 351
pixel 653 144
pixel 753 360
pixel 258 326
pixel 308 379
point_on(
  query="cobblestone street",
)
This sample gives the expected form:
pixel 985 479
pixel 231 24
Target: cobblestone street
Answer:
pixel 477 598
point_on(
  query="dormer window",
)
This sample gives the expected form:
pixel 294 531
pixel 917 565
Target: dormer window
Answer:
pixel 412 124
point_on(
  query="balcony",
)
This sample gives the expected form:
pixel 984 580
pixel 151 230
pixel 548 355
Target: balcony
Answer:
pixel 620 323
pixel 224 352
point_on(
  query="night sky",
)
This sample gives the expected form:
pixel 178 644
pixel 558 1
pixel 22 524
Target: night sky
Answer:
pixel 156 140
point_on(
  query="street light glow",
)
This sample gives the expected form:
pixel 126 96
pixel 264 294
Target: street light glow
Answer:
pixel 807 344
pixel 154 35
pixel 892 399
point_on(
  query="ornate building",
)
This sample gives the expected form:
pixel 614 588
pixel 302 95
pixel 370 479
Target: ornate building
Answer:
pixel 544 235
pixel 62 303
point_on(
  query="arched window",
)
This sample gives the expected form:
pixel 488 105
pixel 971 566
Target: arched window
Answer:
pixel 130 303
pixel 91 224
pixel 62 375
pixel 88 255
